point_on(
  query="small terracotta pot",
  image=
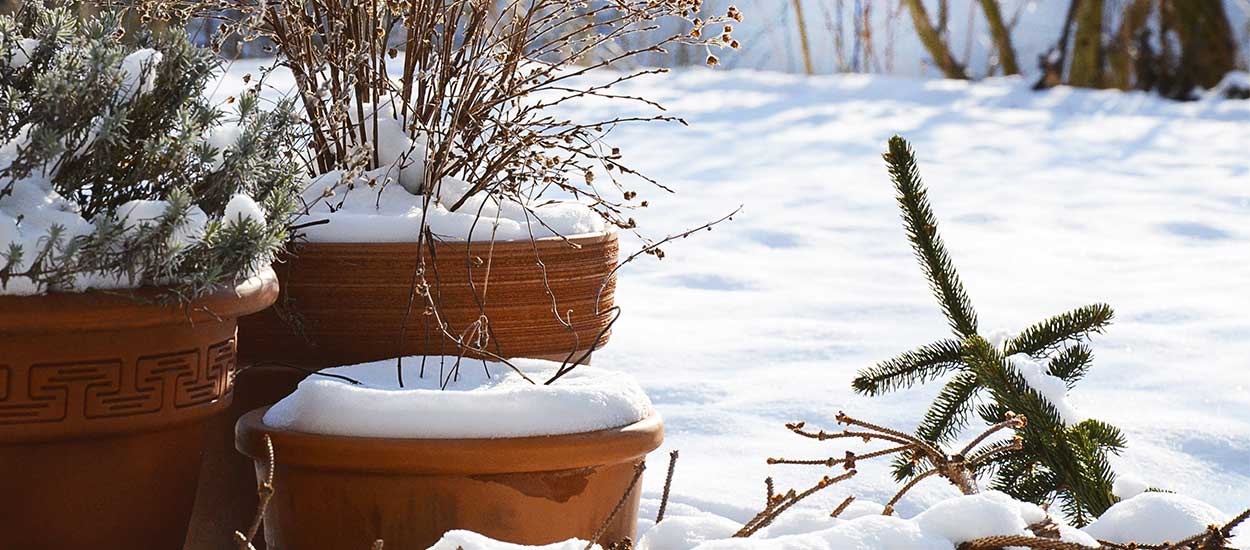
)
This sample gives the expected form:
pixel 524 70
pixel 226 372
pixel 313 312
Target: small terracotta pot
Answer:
pixel 103 401
pixel 349 302
pixel 346 303
pixel 334 492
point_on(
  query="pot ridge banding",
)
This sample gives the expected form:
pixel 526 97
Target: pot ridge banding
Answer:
pixel 349 300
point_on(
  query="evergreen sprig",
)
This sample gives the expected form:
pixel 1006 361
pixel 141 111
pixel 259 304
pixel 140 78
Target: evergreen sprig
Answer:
pixel 105 125
pixel 1056 461
pixel 921 227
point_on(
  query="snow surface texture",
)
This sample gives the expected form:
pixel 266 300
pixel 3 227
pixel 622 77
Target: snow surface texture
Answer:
pixel 1047 201
pixel 1150 518
pixel 481 400
pixel 382 205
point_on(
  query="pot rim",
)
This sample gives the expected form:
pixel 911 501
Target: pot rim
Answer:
pixel 136 308
pixel 477 456
pixel 543 242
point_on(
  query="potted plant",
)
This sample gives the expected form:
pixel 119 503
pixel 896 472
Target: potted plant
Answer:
pixel 452 207
pixel 137 223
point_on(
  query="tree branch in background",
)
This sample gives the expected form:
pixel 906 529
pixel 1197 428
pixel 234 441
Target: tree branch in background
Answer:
pixel 933 41
pixel 1002 37
pixel 803 43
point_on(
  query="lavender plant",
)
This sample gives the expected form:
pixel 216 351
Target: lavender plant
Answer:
pixel 115 171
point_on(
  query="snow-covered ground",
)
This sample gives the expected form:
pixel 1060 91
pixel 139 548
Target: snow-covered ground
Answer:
pixel 1047 201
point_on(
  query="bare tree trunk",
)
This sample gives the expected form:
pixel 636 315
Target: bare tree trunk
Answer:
pixel 1087 53
pixel 1002 37
pixel 938 49
pixel 802 24
pixel 1208 49
pixel 1125 51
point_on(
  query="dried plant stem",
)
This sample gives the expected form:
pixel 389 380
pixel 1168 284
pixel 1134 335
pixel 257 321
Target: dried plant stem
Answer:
pixel 668 485
pixel 264 490
pixel 842 507
pixel 1021 541
pixel 780 503
pixel 619 504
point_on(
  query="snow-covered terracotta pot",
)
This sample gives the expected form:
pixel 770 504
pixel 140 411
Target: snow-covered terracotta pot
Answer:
pixel 346 303
pixel 340 492
pixel 104 398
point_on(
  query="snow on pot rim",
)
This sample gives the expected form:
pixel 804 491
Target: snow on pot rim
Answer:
pixel 391 213
pixel 484 400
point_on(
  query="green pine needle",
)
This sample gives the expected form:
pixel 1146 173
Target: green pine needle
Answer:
pixel 1072 363
pixel 1049 336
pixel 922 230
pixel 911 368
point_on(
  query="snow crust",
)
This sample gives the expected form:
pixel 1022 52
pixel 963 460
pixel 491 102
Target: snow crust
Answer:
pixel 468 540
pixel 384 212
pixel 481 400
pixel 1151 518
pixel 1154 518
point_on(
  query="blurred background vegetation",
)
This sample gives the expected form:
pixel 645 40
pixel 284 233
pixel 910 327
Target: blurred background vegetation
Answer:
pixel 1166 46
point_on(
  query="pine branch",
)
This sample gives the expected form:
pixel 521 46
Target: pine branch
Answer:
pixel 1078 463
pixel 922 231
pixel 909 369
pixel 1072 363
pixel 1049 335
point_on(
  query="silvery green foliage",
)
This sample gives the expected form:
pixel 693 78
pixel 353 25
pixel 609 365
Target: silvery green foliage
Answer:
pixel 105 125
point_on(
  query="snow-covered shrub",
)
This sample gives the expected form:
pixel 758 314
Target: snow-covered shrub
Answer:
pixel 455 102
pixel 116 172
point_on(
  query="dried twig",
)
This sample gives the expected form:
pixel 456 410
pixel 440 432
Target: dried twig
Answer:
pixel 776 504
pixel 619 504
pixel 668 485
pixel 264 490
pixel 956 468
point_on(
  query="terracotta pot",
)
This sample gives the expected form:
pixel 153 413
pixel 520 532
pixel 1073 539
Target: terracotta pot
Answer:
pixel 103 402
pixel 349 300
pixel 334 492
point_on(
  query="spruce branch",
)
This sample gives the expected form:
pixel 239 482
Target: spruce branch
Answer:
pixel 922 230
pixel 914 367
pixel 1049 335
pixel 1072 363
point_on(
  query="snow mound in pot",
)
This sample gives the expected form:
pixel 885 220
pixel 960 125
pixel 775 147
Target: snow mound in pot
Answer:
pixel 481 400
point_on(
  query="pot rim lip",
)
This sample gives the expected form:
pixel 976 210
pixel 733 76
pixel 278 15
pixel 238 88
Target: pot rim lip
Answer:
pixel 426 456
pixel 593 237
pixel 133 308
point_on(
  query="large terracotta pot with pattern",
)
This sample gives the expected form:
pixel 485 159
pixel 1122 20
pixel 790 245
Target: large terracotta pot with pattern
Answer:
pixel 104 399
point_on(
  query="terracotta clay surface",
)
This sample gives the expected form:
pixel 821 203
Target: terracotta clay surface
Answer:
pixel 103 402
pixel 350 300
pixel 336 492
